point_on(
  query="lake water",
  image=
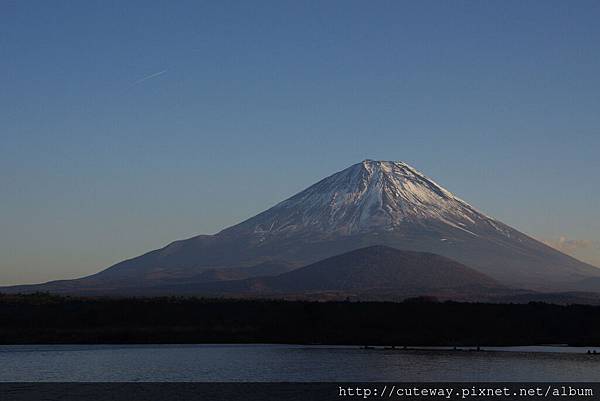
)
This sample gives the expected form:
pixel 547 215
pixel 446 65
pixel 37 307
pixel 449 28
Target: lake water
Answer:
pixel 173 363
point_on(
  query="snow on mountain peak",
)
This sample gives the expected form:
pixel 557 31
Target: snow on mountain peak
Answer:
pixel 367 196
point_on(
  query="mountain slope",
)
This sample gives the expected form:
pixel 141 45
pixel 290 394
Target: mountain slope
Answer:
pixel 369 203
pixel 365 197
pixel 375 272
pixel 379 268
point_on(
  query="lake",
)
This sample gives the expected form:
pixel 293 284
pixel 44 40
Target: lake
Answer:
pixel 173 363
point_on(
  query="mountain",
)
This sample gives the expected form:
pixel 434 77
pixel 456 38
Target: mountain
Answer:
pixel 369 203
pixel 240 273
pixel 375 272
pixel 378 268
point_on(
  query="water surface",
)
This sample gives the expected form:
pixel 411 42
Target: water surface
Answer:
pixel 101 363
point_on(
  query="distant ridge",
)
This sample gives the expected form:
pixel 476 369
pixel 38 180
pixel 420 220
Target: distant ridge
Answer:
pixel 371 273
pixel 364 272
pixel 380 268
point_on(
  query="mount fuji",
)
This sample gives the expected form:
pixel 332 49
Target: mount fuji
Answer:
pixel 372 203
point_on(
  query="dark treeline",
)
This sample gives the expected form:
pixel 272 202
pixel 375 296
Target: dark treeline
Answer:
pixel 47 319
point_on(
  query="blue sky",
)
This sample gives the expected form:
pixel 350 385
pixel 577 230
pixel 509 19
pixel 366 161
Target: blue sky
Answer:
pixel 126 126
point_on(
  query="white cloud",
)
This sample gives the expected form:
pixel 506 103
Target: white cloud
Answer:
pixel 584 249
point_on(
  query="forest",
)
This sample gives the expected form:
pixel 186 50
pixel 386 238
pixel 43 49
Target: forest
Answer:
pixel 49 319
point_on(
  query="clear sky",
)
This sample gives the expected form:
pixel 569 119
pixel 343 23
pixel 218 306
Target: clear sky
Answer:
pixel 127 125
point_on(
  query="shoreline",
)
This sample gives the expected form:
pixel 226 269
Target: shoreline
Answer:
pixel 546 349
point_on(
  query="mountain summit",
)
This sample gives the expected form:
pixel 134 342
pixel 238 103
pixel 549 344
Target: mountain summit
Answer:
pixel 368 196
pixel 370 203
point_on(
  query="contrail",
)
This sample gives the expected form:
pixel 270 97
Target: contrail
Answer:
pixel 156 74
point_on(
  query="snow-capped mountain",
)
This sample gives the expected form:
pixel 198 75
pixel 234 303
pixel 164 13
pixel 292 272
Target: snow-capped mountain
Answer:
pixel 369 203
pixel 368 196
